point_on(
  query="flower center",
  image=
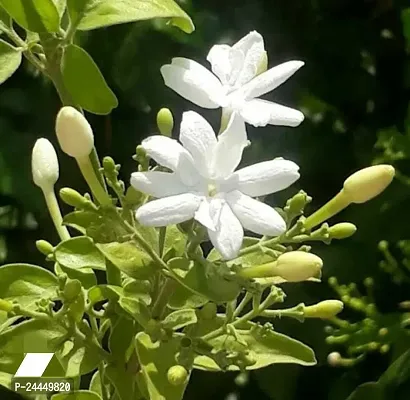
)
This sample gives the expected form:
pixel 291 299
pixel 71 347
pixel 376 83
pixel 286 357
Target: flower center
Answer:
pixel 212 191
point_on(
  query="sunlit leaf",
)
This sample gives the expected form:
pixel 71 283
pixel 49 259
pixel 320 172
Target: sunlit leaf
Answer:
pixel 10 60
pixel 94 14
pixel 85 82
pixel 34 15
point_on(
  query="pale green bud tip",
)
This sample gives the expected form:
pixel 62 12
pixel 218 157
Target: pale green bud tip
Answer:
pixel 342 230
pixel 368 183
pixel 324 310
pixel 297 266
pixel 334 359
pixel 165 122
pixel 177 375
pixel 72 289
pixel 6 305
pixel 44 247
pixel 44 164
pixel 74 133
pixel 72 197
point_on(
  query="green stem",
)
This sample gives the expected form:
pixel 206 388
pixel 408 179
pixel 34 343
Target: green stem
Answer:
pixel 55 213
pixel 163 298
pixel 246 299
pixel 91 178
pixel 101 370
pixel 162 235
pixel 331 208
pixel 245 318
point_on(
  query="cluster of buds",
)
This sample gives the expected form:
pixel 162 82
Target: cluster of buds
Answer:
pixel 372 332
pixel 399 271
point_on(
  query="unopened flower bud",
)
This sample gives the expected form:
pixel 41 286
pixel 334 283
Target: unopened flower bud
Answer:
pixel 342 230
pixel 324 310
pixel 297 266
pixel 73 198
pixel 334 359
pixel 44 247
pixel 165 122
pixel 177 375
pixel 368 183
pixel 6 305
pixel 74 133
pixel 44 164
pixel 72 289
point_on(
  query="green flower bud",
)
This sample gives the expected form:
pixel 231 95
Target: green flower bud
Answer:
pixel 73 198
pixel 325 309
pixel 165 122
pixel 342 230
pixel 297 266
pixel 368 183
pixel 44 164
pixel 6 306
pixel 177 375
pixel 44 247
pixel 109 164
pixel 74 133
pixel 72 289
pixel 297 203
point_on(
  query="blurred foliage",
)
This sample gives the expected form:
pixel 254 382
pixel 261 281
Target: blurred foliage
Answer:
pixel 354 90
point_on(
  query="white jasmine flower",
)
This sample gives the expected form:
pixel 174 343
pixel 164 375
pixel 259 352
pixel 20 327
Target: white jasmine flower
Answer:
pixel 44 164
pixel 204 186
pixel 235 83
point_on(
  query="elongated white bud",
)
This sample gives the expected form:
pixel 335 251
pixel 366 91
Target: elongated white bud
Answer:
pixel 44 164
pixel 368 183
pixel 297 266
pixel 324 310
pixel 74 133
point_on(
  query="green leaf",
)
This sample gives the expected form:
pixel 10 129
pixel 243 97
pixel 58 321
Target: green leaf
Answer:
pixel 94 14
pixel 179 319
pixel 368 391
pixel 103 292
pixel 123 381
pixel 85 82
pixel 155 359
pixel 76 359
pixel 206 280
pixel 101 228
pixel 33 15
pixel 61 6
pixel 138 289
pixel 77 395
pixel 183 298
pixel 10 60
pixel 405 17
pixel 77 307
pixel 5 379
pixel 26 284
pixel 33 336
pixel 136 309
pixel 5 21
pixel 129 259
pixel 121 338
pixel 397 373
pixel 265 346
pixel 79 252
pixel 95 383
pixel 85 275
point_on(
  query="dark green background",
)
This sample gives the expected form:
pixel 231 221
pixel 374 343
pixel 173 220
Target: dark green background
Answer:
pixel 355 84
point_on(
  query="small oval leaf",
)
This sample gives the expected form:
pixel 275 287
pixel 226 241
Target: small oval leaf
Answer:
pixel 10 60
pixel 79 252
pixel 26 284
pixel 85 81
